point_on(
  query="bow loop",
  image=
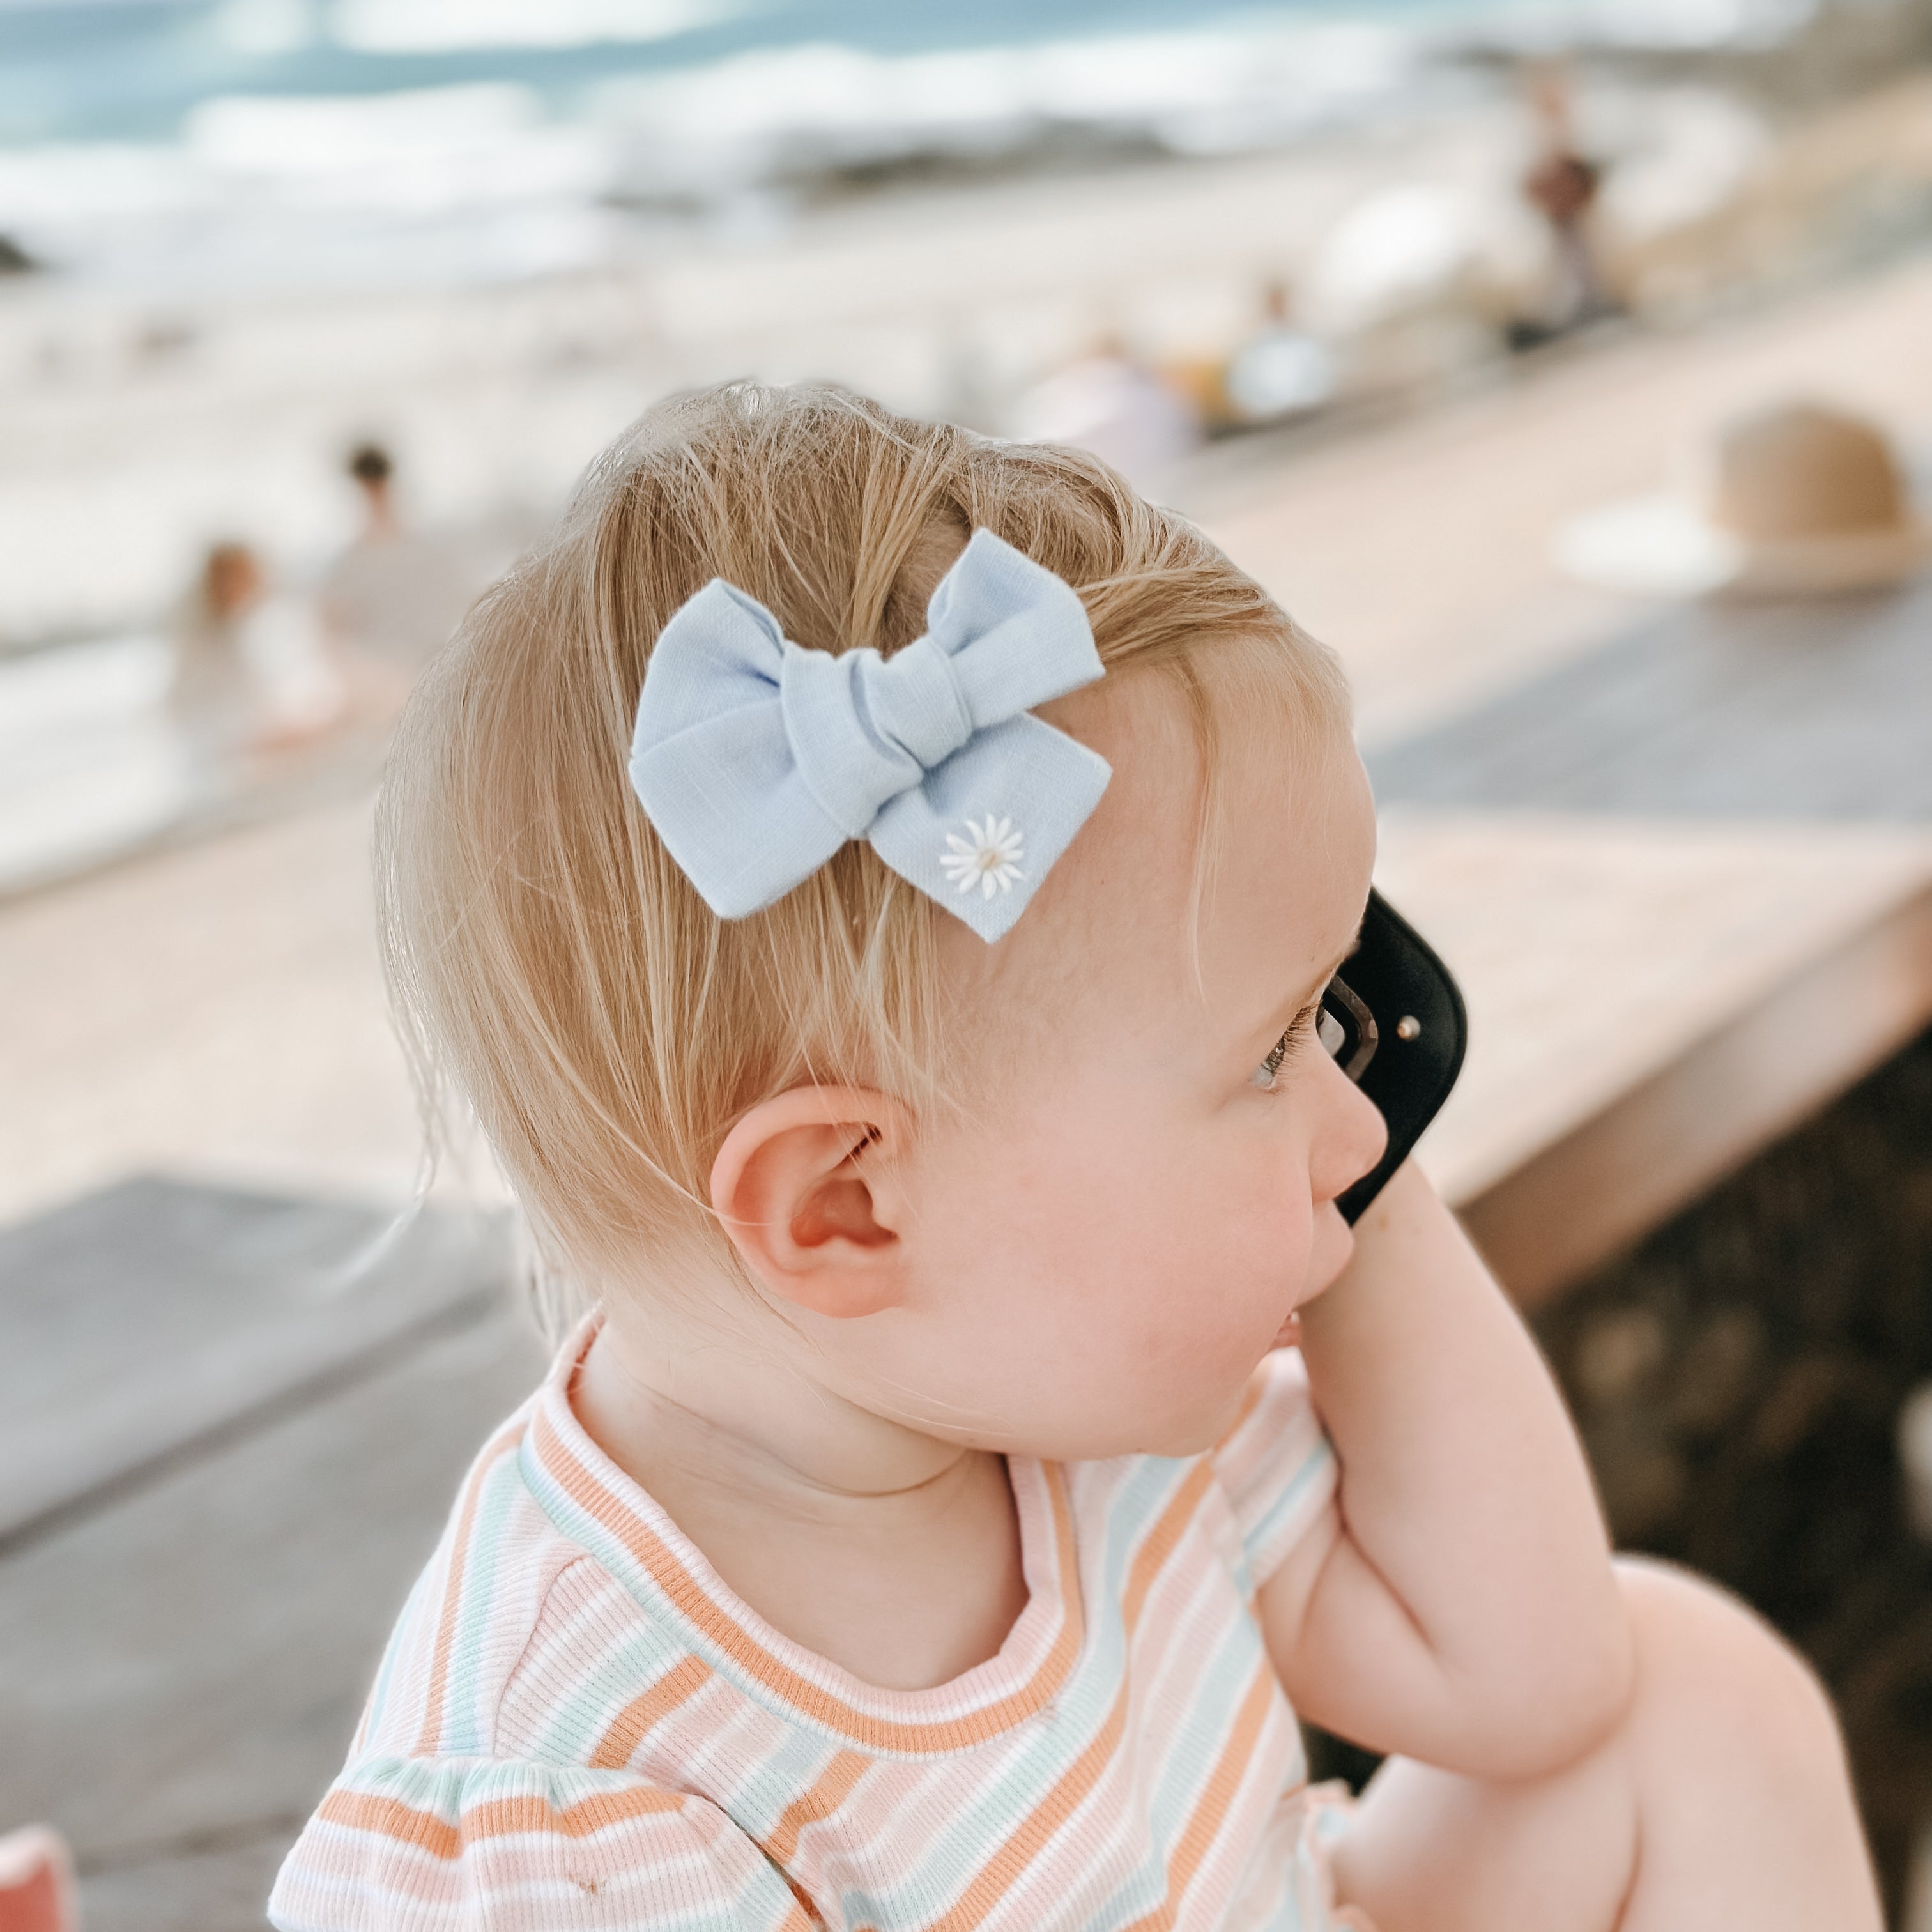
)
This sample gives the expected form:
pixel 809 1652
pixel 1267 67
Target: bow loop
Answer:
pixel 756 759
pixel 1016 634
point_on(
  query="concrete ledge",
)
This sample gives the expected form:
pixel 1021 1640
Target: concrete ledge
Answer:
pixel 1685 1125
pixel 1650 1003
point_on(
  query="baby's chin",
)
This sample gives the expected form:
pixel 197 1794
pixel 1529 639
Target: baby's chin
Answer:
pixel 1211 1428
pixel 1330 1253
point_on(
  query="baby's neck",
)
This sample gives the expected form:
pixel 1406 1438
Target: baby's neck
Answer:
pixel 746 1414
pixel 885 1550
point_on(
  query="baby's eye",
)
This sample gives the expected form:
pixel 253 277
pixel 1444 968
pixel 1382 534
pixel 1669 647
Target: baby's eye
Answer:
pixel 1299 1028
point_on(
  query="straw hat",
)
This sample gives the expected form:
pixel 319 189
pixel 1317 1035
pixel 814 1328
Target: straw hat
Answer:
pixel 1800 500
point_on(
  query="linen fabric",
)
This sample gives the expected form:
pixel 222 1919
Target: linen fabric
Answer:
pixel 756 759
pixel 578 1726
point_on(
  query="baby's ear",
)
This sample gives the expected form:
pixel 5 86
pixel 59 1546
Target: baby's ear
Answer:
pixel 805 1187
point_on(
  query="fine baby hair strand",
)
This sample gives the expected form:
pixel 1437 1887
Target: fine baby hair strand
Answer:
pixel 549 964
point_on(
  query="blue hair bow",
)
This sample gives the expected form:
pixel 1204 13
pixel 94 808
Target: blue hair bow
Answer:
pixel 756 759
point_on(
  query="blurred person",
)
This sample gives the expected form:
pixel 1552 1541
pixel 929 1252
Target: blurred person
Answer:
pixel 982 1431
pixel 390 598
pixel 215 698
pixel 1798 499
pixel 1281 371
pixel 1114 407
pixel 1562 185
pixel 250 675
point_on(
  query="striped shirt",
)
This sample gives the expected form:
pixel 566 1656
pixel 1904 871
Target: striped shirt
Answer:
pixel 578 1725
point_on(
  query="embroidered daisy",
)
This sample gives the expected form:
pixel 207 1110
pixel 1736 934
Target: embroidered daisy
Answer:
pixel 988 858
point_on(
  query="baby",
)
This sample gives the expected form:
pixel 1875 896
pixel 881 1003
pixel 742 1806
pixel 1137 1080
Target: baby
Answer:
pixel 875 887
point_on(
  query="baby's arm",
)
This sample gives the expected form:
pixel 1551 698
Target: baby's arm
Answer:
pixel 1456 1604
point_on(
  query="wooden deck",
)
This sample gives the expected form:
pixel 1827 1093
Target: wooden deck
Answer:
pixel 191 1605
pixel 1687 878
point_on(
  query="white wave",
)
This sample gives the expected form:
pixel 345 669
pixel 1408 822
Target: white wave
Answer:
pixel 371 188
pixel 775 111
pixel 1664 25
pixel 446 26
pixel 266 26
pixel 307 133
pixel 434 184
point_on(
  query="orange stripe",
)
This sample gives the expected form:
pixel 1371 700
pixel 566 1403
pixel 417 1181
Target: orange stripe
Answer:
pixel 713 1826
pixel 391 1818
pixel 505 1438
pixel 830 1790
pixel 1251 1400
pixel 1159 1544
pixel 996 1878
pixel 502 1817
pixel 497 1818
pixel 1210 1810
pixel 648 1709
pixel 998 1875
pixel 744 1650
pixel 803 1916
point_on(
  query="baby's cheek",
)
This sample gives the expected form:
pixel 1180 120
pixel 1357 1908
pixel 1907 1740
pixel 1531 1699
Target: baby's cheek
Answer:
pixel 1265 1192
pixel 1264 1244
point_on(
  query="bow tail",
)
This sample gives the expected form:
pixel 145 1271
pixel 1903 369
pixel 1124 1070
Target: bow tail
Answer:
pixel 986 825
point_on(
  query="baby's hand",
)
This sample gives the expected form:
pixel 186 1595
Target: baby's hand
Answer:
pixel 1455 1603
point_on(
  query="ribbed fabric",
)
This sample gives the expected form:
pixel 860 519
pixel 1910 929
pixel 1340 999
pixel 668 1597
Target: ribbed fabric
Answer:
pixel 576 1725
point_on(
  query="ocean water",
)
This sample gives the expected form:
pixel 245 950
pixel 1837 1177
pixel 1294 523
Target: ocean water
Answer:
pixel 133 70
pixel 203 144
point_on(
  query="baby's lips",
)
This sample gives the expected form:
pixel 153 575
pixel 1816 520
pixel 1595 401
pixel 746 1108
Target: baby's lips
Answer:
pixel 1288 1335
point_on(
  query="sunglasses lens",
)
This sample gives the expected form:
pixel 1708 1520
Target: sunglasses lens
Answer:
pixel 1332 1033
pixel 1347 1029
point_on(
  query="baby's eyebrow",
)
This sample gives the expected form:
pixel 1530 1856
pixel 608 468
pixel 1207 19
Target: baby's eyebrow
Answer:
pixel 1328 973
pixel 1288 1009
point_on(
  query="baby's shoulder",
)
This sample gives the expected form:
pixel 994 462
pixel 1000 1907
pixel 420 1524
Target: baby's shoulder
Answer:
pixel 1275 1465
pixel 1277 1404
pixel 512 1625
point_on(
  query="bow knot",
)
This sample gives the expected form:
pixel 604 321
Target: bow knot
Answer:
pixel 756 759
pixel 865 728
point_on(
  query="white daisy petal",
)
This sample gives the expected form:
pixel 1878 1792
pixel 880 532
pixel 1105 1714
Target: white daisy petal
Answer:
pixel 988 857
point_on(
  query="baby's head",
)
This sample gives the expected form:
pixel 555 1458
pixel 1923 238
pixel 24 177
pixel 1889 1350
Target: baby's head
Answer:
pixel 1057 1194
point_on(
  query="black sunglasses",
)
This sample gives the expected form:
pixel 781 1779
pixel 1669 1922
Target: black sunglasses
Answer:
pixel 1392 1019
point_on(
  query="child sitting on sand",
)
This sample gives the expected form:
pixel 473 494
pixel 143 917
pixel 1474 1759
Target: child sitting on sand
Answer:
pixel 985 1435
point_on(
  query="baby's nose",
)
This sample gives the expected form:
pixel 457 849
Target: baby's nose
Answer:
pixel 1355 1137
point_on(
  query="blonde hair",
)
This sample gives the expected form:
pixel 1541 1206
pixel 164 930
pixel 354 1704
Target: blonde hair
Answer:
pixel 545 956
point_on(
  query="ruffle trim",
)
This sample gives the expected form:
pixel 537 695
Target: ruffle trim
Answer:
pixel 1326 1811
